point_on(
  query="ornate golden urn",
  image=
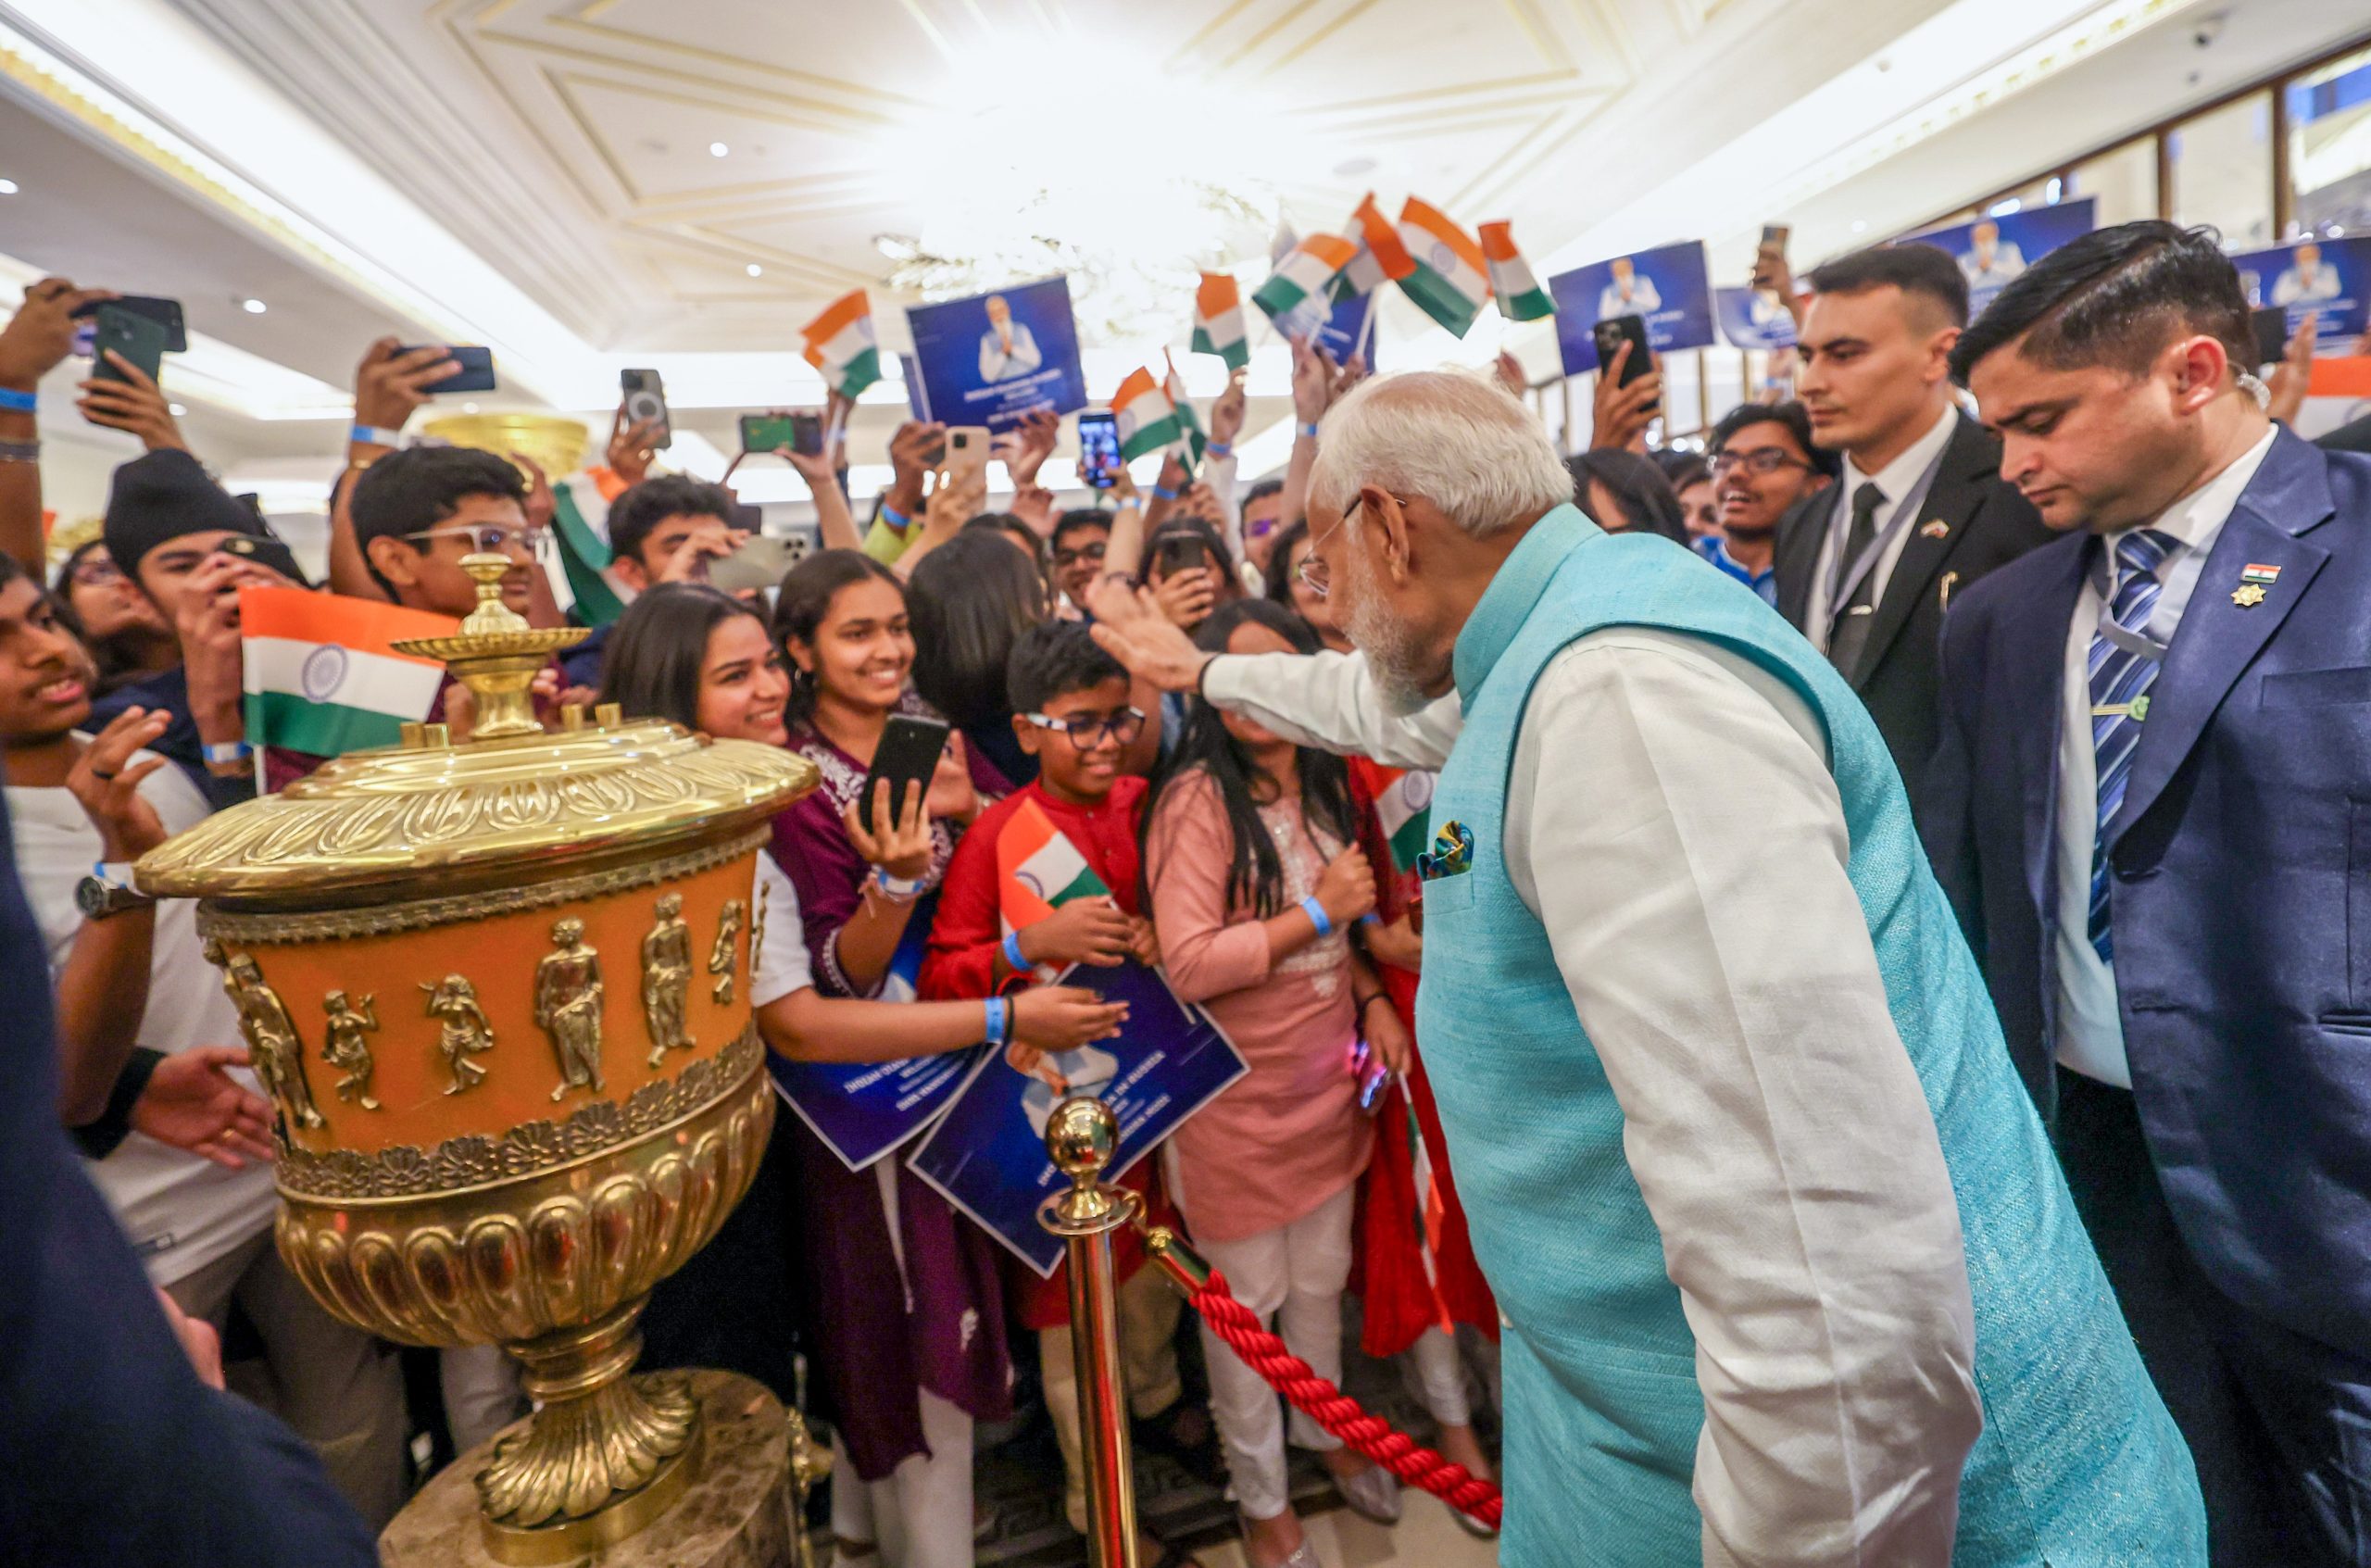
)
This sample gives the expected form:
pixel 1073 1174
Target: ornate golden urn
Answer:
pixel 498 992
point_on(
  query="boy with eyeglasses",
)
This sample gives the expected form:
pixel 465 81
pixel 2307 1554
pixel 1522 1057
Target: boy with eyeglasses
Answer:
pixel 1073 713
pixel 1764 464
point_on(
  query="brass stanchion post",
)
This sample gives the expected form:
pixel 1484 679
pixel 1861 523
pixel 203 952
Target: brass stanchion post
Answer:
pixel 1080 1139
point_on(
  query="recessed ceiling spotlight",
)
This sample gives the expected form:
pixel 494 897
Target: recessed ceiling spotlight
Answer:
pixel 898 247
pixel 175 409
pixel 253 307
pixel 718 149
pixel 469 408
pixel 1860 225
pixel 1350 167
pixel 755 270
pixel 7 187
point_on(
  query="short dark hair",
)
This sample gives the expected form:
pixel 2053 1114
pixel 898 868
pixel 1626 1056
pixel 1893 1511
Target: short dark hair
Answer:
pixel 2115 298
pixel 968 601
pixel 1681 468
pixel 1791 416
pixel 1276 583
pixel 1259 491
pixel 1079 517
pixel 650 665
pixel 413 490
pixel 1053 659
pixel 1005 522
pixel 639 510
pixel 1925 270
pixel 1647 503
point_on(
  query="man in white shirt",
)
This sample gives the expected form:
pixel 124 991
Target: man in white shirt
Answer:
pixel 1628 293
pixel 2305 281
pixel 2147 809
pixel 129 973
pixel 1773 1228
pixel 1867 567
pixel 1988 265
pixel 1007 348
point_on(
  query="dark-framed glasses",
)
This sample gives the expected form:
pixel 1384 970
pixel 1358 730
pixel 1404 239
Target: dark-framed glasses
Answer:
pixel 1763 460
pixel 492 539
pixel 1085 729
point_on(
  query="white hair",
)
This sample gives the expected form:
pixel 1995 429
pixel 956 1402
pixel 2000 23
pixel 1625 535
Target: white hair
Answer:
pixel 1462 442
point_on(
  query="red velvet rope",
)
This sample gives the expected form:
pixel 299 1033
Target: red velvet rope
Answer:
pixel 1336 1412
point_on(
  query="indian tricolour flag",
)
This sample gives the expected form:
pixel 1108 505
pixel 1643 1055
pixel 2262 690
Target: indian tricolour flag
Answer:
pixel 1452 279
pixel 321 676
pixel 1512 280
pixel 1400 807
pixel 1038 869
pixel 1218 321
pixel 840 344
pixel 1148 419
pixel 1381 257
pixel 1303 275
pixel 1190 437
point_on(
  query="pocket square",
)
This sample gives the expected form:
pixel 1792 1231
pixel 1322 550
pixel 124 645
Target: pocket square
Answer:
pixel 1452 854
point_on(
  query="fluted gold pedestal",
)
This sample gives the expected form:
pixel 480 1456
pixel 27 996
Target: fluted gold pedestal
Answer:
pixel 734 1511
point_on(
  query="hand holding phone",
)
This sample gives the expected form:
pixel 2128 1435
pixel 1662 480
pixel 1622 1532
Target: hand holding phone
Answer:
pixel 1099 448
pixel 643 397
pixel 140 341
pixel 904 760
pixel 967 450
pixel 476 373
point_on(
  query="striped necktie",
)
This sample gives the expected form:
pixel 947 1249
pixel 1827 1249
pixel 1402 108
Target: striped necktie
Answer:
pixel 2120 680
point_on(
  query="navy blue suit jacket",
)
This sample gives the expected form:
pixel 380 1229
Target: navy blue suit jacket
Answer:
pixel 2240 865
pixel 112 1451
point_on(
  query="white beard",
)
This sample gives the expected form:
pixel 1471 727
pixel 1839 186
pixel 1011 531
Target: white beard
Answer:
pixel 1393 656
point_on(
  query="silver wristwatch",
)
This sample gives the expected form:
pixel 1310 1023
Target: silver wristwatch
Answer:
pixel 108 891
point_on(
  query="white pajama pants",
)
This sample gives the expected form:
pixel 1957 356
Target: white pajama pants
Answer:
pixel 1293 1274
pixel 920 1514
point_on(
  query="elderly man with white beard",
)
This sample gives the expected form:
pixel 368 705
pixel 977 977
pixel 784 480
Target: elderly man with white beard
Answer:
pixel 1788 1271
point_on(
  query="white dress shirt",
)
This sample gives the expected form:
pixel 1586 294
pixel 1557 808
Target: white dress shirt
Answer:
pixel 1896 481
pixel 1688 864
pixel 2090 1032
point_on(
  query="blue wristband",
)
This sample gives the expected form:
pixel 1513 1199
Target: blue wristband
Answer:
pixel 894 518
pixel 997 1024
pixel 16 402
pixel 1316 913
pixel 1162 494
pixel 1217 449
pixel 1309 431
pixel 375 436
pixel 1013 957
pixel 227 751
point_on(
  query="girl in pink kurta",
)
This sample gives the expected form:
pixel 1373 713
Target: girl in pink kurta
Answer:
pixel 1254 882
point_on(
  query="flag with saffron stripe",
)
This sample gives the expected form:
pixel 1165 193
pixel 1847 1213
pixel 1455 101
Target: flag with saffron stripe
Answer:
pixel 1304 274
pixel 840 344
pixel 1038 869
pixel 322 675
pixel 1381 257
pixel 1190 438
pixel 1512 280
pixel 1147 420
pixel 1451 282
pixel 1218 320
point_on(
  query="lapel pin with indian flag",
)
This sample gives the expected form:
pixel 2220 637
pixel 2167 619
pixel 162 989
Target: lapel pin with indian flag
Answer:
pixel 1934 528
pixel 2253 579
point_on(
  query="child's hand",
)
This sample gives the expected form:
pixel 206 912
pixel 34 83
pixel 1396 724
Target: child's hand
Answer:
pixel 1144 944
pixel 1090 931
pixel 1059 1018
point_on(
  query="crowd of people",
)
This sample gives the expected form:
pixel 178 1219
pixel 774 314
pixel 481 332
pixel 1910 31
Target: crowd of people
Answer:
pixel 1824 1186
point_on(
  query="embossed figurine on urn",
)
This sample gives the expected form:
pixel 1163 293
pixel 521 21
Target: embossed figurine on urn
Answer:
pixel 490 990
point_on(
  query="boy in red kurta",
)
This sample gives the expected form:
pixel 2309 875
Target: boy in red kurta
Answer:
pixel 1072 713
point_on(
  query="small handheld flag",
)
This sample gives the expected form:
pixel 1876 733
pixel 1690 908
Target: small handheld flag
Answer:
pixel 1512 280
pixel 1190 437
pixel 1381 257
pixel 1218 320
pixel 321 676
pixel 1147 420
pixel 1038 869
pixel 1452 278
pixel 1303 275
pixel 840 344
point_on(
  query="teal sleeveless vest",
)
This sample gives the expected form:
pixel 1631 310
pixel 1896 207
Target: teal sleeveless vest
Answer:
pixel 2078 1464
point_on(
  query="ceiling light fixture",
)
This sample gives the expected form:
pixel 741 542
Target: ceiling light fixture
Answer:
pixel 469 408
pixel 7 187
pixel 718 149
pixel 755 270
pixel 253 307
pixel 175 409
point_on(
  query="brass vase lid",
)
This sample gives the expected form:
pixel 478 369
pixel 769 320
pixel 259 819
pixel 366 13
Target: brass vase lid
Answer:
pixel 430 815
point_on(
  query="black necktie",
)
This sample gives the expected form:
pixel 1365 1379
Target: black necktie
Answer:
pixel 1849 630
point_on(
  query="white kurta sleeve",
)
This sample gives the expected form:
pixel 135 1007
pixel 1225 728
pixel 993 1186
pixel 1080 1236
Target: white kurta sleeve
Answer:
pixel 1684 843
pixel 780 964
pixel 1330 701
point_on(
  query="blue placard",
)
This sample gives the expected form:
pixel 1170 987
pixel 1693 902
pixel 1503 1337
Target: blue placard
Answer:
pixel 1339 329
pixel 1751 319
pixel 1670 286
pixel 914 399
pixel 988 1154
pixel 2330 278
pixel 990 359
pixel 1995 252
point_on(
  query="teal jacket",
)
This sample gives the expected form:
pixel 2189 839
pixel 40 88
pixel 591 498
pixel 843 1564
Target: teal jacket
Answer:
pixel 2079 1464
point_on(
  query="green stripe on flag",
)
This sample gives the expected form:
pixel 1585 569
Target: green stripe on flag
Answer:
pixel 320 729
pixel 1439 298
pixel 860 372
pixel 1154 436
pixel 1531 305
pixel 1237 354
pixel 1278 296
pixel 582 556
pixel 1087 884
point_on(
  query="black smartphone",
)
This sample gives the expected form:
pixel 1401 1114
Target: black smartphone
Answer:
pixel 1183 552
pixel 166 313
pixel 1099 448
pixel 476 373
pixel 645 398
pixel 138 339
pixel 807 433
pixel 908 755
pixel 1612 335
pixel 2271 326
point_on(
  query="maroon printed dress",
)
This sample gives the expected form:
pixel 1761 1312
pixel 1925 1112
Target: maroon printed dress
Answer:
pixel 937 1275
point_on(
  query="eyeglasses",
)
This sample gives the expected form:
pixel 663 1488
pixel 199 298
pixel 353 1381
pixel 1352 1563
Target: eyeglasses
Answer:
pixel 96 572
pixel 494 539
pixel 1084 552
pixel 1085 729
pixel 1764 460
pixel 1312 571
